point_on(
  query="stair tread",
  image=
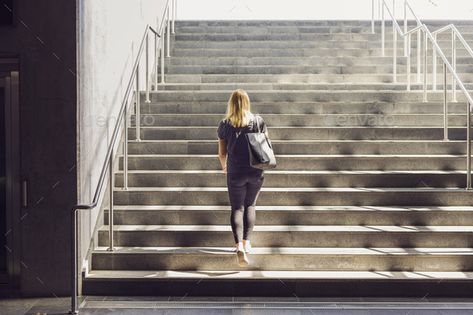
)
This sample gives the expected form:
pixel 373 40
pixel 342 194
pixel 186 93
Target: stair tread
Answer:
pixel 288 250
pixel 381 141
pixel 347 172
pixel 238 274
pixel 315 127
pixel 300 189
pixel 299 208
pixel 295 228
pixel 310 155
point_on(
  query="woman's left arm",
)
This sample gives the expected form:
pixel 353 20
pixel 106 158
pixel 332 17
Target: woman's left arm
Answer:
pixel 222 154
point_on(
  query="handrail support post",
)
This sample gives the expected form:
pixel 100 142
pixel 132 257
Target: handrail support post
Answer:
pixel 111 175
pixel 383 30
pixel 425 68
pixel 468 146
pixel 168 32
pixel 419 45
pixel 394 53
pixel 125 151
pixel 138 105
pixel 162 60
pixel 454 65
pixel 408 67
pixel 434 65
pixel 445 104
pixel 74 282
pixel 405 29
pixel 147 101
pixel 372 16
pixel 174 7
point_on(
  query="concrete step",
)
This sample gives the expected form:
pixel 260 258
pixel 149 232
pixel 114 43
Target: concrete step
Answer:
pixel 298 195
pixel 295 78
pixel 301 96
pixel 299 69
pixel 241 283
pixel 293 41
pixel 307 162
pixel 291 33
pixel 287 86
pixel 297 35
pixel 417 147
pixel 191 107
pixel 302 69
pixel 315 24
pixel 199 178
pixel 270 36
pixel 278 236
pixel 314 51
pixel 280 258
pixel 294 215
pixel 309 60
pixel 299 133
pixel 304 120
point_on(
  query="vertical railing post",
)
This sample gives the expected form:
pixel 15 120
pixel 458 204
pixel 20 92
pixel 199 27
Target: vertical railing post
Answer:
pixel 174 4
pixel 110 207
pixel 405 29
pixel 445 104
pixel 425 66
pixel 419 44
pixel 168 32
pixel 383 30
pixel 162 57
pixel 408 67
pixel 394 52
pixel 147 68
pixel 74 255
pixel 434 64
pixel 156 62
pixel 468 146
pixel 454 65
pixel 379 10
pixel 125 149
pixel 138 105
pixel 372 16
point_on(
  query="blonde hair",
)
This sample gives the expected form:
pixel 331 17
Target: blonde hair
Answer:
pixel 238 109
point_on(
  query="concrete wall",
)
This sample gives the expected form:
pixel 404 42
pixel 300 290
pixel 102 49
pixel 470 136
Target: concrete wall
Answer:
pixel 110 35
pixel 315 9
pixel 45 40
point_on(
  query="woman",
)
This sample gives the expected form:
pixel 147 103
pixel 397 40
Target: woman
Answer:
pixel 244 182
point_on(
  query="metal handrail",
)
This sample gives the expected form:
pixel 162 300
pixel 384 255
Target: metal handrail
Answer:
pixel 108 164
pixel 446 66
pixel 455 35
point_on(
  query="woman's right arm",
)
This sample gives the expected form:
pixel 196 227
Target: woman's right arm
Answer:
pixel 222 154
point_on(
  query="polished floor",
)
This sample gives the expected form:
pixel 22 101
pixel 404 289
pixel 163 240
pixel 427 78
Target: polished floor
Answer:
pixel 244 306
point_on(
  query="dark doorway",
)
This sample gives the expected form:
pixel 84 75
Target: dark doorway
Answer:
pixel 3 183
pixel 9 171
pixel 6 12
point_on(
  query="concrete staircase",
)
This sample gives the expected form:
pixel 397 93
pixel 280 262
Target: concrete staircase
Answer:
pixel 367 198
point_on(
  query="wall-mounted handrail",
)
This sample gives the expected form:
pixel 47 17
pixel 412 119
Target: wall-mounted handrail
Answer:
pixel 432 37
pixel 108 164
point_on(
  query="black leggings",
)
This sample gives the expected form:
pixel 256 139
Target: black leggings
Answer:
pixel 243 190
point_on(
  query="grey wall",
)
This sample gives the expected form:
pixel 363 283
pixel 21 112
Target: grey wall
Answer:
pixel 110 34
pixel 45 40
pixel 62 144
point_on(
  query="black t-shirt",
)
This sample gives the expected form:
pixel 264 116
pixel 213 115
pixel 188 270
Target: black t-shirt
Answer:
pixel 237 145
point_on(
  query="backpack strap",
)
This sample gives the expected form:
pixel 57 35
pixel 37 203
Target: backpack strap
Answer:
pixel 239 133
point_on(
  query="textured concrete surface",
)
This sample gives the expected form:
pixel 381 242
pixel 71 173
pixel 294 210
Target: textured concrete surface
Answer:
pixel 174 305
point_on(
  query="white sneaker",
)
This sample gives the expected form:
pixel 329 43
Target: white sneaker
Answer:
pixel 242 258
pixel 247 247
